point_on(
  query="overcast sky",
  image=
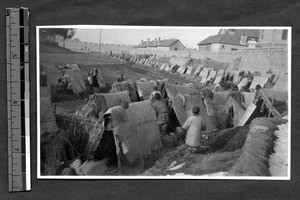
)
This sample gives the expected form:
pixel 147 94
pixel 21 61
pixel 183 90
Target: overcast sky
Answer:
pixel 189 36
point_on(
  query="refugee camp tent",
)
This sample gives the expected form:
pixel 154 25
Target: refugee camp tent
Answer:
pixel 204 74
pixel 47 116
pixel 243 82
pixel 99 78
pixel 172 90
pixel 54 74
pixel 218 79
pixel 143 121
pixel 258 80
pixel 135 131
pixel 236 77
pixel 77 82
pixel 183 105
pixel 212 75
pixel 281 83
pixel 145 89
pixel 102 102
pixel 124 86
pixel 190 70
pixel 220 103
pixel 198 69
pixel 74 67
pixel 162 66
pixel 181 69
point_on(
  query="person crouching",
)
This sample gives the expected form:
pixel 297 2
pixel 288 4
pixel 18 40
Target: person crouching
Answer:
pixel 161 111
pixel 194 125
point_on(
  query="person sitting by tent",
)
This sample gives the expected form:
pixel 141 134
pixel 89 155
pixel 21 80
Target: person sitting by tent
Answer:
pixel 155 91
pixel 121 79
pixel 95 84
pixel 162 115
pixel 194 126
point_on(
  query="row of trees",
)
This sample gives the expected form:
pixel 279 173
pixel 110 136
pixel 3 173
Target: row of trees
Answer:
pixel 49 34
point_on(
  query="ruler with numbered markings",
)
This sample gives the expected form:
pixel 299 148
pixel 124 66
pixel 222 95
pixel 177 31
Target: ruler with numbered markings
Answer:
pixel 17 60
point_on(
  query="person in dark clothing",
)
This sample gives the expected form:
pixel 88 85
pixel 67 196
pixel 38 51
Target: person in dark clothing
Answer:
pixel 95 83
pixel 89 88
pixel 162 114
pixel 121 79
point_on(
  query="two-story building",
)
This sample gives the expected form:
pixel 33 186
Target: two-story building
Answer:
pixel 273 37
pixel 229 40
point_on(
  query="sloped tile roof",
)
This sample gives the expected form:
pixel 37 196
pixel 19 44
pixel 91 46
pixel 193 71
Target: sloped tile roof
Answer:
pixel 226 38
pixel 163 43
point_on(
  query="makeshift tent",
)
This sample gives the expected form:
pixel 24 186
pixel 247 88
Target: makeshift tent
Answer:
pixel 281 83
pixel 143 121
pixel 181 69
pixel 198 69
pixel 220 73
pixel 136 133
pixel 145 89
pixel 258 80
pixel 190 70
pixel 183 105
pixel 77 82
pixel 47 116
pixel 102 102
pixel 172 90
pixel 218 79
pixel 99 77
pixel 124 86
pixel 162 66
pixel 72 71
pixel 211 75
pixel 204 74
pixel 243 82
pixel 74 67
pixel 274 101
pixel 219 106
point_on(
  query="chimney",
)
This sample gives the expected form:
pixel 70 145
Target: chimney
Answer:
pixel 231 31
pixel 158 40
pixel 148 41
pixel 155 42
pixel 142 41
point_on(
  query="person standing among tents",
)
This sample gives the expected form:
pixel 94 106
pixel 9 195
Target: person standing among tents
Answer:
pixel 88 86
pixel 162 114
pixel 155 91
pixel 194 125
pixel 95 84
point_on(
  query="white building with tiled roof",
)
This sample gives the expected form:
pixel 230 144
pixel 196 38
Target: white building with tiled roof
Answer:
pixel 161 45
pixel 229 40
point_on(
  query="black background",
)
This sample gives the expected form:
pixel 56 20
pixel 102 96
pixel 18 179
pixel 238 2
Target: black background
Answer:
pixel 160 13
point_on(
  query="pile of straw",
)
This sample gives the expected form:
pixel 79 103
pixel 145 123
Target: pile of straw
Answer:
pixel 81 134
pixel 53 152
pixel 254 161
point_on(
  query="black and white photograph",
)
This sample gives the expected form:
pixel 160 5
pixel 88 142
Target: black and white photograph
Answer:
pixel 163 102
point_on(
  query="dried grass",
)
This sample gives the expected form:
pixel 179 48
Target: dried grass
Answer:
pixel 254 160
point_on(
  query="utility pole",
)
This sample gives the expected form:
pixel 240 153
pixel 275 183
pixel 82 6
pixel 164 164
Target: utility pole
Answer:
pixel 100 41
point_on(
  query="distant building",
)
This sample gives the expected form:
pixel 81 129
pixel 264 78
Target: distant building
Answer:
pixel 273 37
pixel 161 45
pixel 230 40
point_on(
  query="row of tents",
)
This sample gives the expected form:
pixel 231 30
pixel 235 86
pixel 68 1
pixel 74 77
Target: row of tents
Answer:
pixel 207 69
